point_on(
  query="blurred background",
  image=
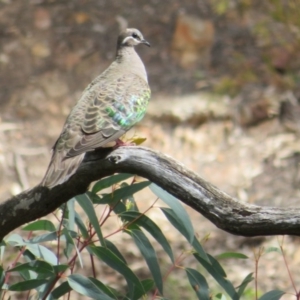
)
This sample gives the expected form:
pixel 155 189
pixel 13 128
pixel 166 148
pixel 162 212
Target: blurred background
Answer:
pixel 225 87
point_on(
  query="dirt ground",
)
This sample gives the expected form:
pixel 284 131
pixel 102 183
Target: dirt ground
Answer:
pixel 47 57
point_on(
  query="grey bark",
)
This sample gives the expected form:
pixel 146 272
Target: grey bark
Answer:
pixel 224 211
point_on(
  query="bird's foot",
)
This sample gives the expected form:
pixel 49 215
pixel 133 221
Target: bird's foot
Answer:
pixel 120 143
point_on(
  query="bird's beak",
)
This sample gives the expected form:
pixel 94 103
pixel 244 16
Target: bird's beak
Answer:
pixel 146 43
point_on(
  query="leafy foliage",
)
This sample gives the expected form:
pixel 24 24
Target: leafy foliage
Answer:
pixel 49 262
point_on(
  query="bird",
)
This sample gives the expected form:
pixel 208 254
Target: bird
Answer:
pixel 110 105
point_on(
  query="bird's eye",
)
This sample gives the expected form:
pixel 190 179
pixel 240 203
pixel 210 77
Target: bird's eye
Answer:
pixel 134 35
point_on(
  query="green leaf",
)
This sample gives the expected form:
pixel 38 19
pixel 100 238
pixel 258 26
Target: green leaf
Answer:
pixel 221 296
pixel 60 268
pixel 226 255
pixel 145 222
pixel 130 204
pixel 104 288
pixel 117 264
pixel 177 208
pixel 47 237
pixel 42 252
pixel 43 289
pixel 149 254
pixel 71 214
pixel 272 295
pixel 40 225
pixel 109 181
pixel 198 283
pixel 15 240
pixel 245 282
pixel 27 285
pixel 119 207
pixel 26 274
pixel 177 223
pixel 81 226
pixel 87 205
pixel 178 211
pixel 86 287
pixel 70 246
pixel 224 283
pixel 216 265
pixel 199 249
pixel 28 255
pixel 2 276
pixel 60 291
pixel 148 285
pixel 273 249
pixel 115 250
pixel 38 266
pixel 123 193
pixel 2 249
pixel 173 219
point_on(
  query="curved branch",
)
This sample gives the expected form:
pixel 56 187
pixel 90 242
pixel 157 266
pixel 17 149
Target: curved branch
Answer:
pixel 221 209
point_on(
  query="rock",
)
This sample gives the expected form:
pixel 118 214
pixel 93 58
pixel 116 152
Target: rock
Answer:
pixel 41 50
pixel 54 85
pixel 42 19
pixel 253 105
pixel 192 40
pixel 193 109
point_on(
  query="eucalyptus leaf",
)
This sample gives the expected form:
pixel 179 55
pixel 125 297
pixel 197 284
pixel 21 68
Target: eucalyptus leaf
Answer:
pixel 149 254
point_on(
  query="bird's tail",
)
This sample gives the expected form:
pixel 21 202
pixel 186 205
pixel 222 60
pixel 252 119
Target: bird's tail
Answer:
pixel 61 169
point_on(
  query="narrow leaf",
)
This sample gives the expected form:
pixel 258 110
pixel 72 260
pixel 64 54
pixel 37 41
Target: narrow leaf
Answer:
pixel 71 214
pixel 177 208
pixel 2 277
pixel 173 219
pixel 117 264
pixel 145 222
pixel 40 225
pixel 273 249
pixel 2 249
pixel 15 240
pixel 60 291
pixel 27 285
pixel 81 226
pixel 216 265
pixel 104 288
pixel 223 282
pixel 198 283
pixel 60 268
pixel 226 255
pixel 115 250
pixel 38 266
pixel 221 296
pixel 42 252
pixel 109 181
pixel 199 249
pixel 272 295
pixel 86 287
pixel 71 245
pixel 149 254
pixel 123 193
pixel 47 237
pixel 244 283
pixel 148 285
pixel 87 205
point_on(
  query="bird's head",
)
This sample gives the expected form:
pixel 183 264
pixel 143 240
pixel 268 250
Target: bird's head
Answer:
pixel 131 37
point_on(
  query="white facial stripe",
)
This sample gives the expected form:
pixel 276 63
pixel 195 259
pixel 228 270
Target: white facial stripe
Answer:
pixel 129 38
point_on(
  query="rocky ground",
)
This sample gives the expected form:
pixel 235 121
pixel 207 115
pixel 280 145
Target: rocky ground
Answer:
pixel 50 50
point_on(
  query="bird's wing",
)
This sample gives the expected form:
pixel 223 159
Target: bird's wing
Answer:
pixel 110 110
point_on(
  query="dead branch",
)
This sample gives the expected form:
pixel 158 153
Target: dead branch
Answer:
pixel 224 211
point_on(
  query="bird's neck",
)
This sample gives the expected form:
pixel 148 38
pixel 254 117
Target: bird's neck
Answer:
pixel 128 58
